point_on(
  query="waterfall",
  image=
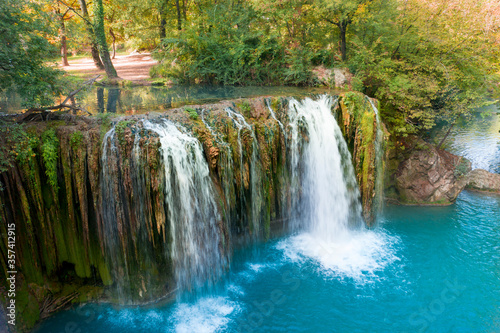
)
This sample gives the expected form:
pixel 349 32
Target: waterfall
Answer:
pixel 160 182
pixel 112 230
pixel 148 234
pixel 379 160
pixel 273 115
pixel 254 174
pixel 330 231
pixel 321 166
pixel 190 201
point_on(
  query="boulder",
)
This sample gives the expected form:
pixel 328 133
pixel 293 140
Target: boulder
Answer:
pixel 430 176
pixel 484 181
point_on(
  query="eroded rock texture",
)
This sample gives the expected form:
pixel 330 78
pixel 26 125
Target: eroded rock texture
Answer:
pixel 483 181
pixel 431 176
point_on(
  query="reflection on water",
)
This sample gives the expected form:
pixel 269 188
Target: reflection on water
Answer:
pixel 477 139
pixel 144 99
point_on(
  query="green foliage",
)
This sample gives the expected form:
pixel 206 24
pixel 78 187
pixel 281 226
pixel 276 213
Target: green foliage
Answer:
pixel 120 130
pixel 245 109
pixel 298 72
pixel 76 139
pixel 50 149
pixel 23 49
pixel 227 46
pixel 192 113
pixel 16 145
pixel 120 127
pixel 462 168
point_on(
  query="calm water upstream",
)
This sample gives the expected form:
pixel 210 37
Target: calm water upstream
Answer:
pixel 422 269
pixel 134 100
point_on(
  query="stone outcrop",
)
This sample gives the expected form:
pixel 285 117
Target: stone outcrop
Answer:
pixel 483 181
pixel 366 139
pixel 430 176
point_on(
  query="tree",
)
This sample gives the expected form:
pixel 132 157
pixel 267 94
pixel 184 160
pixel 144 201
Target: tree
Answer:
pixel 90 30
pixel 342 13
pixel 100 36
pixel 62 16
pixel 428 61
pixel 23 51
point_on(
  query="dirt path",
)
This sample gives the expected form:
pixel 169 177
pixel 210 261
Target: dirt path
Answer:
pixel 134 67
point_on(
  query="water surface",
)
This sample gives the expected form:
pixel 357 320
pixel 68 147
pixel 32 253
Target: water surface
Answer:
pixel 477 139
pixel 424 269
pixel 133 100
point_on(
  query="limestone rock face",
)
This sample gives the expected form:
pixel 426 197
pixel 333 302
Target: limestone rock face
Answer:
pixel 484 181
pixel 365 137
pixel 431 176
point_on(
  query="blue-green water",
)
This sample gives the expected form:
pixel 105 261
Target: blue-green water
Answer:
pixel 423 269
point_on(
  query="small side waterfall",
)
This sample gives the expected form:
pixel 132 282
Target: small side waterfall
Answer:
pixel 252 177
pixel 379 160
pixel 273 115
pixel 321 163
pixel 163 223
pixel 191 207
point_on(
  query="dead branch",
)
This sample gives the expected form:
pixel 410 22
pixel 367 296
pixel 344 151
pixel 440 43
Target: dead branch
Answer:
pixel 51 305
pixel 43 113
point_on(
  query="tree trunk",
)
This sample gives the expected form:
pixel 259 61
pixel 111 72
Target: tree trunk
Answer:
pixel 179 15
pixel 113 100
pixel 163 23
pixel 100 100
pixel 440 145
pixel 64 46
pixel 114 42
pixel 100 35
pixel 95 56
pixel 163 19
pixel 343 42
pixel 90 31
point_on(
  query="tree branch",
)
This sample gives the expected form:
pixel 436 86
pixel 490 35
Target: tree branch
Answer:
pixel 29 114
pixel 74 10
pixel 86 83
pixel 331 21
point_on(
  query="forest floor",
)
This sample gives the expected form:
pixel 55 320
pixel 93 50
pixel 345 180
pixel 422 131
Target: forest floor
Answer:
pixel 133 67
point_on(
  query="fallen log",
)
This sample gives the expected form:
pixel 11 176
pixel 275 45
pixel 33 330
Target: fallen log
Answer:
pixel 43 113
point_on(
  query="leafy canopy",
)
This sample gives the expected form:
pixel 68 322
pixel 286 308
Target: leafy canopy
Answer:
pixel 23 48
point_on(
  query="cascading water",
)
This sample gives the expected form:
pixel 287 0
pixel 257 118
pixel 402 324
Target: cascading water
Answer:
pixel 190 202
pixel 113 245
pixel 379 160
pixel 145 236
pixel 273 115
pixel 254 174
pixel 329 199
pixel 329 224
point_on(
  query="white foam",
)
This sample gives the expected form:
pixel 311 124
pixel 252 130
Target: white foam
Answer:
pixel 358 255
pixel 257 267
pixel 235 290
pixel 206 315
